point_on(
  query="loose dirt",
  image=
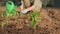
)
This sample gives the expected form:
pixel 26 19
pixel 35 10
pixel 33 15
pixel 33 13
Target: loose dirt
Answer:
pixel 50 23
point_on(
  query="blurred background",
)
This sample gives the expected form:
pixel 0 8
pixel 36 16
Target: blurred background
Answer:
pixel 56 3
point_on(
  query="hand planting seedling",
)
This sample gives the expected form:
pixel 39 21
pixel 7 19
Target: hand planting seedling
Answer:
pixel 36 8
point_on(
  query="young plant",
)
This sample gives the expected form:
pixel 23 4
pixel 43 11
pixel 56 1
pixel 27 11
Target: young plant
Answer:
pixel 33 16
pixel 2 24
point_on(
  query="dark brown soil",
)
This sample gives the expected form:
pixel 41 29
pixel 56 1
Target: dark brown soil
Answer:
pixel 49 24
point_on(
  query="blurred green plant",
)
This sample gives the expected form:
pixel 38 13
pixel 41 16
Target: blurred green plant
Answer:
pixel 2 24
pixel 34 16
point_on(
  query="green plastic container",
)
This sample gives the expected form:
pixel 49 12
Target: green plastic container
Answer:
pixel 10 8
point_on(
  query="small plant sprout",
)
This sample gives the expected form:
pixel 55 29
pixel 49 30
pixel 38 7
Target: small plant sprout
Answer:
pixel 2 24
pixel 10 8
pixel 33 16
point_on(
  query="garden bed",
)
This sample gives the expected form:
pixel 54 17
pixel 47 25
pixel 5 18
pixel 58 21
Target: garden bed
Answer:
pixel 21 24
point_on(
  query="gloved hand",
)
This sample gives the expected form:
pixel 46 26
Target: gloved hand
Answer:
pixel 24 11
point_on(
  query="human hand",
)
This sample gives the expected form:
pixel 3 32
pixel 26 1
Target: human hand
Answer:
pixel 24 11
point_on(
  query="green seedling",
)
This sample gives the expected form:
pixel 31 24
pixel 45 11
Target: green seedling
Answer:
pixel 2 24
pixel 33 16
pixel 10 8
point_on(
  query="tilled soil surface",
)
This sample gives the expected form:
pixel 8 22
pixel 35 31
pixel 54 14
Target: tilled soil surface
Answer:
pixel 50 23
